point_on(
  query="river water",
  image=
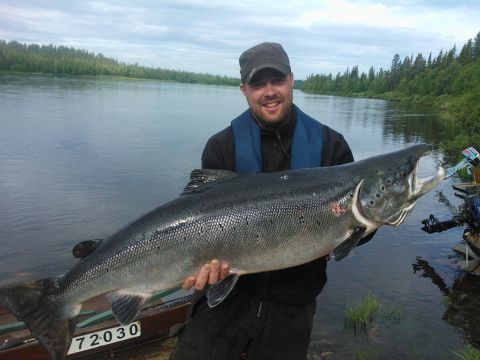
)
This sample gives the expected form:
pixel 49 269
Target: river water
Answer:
pixel 80 158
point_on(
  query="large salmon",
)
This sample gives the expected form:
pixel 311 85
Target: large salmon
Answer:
pixel 257 222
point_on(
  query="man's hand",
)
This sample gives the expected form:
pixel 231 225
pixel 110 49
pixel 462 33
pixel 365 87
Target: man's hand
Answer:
pixel 209 273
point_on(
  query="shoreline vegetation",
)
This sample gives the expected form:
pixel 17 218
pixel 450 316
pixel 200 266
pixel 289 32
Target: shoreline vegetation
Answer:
pixel 16 57
pixel 449 81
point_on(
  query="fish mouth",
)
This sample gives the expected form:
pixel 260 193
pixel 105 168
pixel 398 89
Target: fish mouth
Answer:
pixel 417 188
pixel 420 187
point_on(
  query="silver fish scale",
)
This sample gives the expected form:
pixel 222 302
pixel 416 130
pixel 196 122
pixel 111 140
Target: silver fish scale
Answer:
pixel 288 224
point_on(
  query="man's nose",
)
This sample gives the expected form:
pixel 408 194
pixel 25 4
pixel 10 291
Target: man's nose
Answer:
pixel 269 88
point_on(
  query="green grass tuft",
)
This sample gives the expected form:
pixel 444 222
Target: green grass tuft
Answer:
pixel 468 353
pixel 365 355
pixel 396 314
pixel 362 315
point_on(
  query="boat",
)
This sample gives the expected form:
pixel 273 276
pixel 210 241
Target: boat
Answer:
pixel 97 333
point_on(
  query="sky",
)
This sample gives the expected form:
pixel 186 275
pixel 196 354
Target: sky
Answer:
pixel 208 36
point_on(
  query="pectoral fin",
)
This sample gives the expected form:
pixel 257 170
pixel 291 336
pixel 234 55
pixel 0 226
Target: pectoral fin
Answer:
pixel 126 306
pixel 345 247
pixel 218 292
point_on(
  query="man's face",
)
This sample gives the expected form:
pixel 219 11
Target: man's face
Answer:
pixel 269 95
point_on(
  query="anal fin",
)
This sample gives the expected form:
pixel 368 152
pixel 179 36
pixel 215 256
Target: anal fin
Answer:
pixel 345 247
pixel 126 306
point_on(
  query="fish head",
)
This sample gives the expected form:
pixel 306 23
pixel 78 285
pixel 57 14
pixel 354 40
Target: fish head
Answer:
pixel 390 186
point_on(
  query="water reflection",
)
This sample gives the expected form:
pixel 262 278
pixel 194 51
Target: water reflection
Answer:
pixel 411 123
pixel 462 299
pixel 80 158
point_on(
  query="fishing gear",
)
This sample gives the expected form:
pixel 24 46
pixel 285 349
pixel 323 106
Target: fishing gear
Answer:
pixel 468 213
pixel 471 158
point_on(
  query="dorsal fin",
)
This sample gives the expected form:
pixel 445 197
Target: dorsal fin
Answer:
pixel 201 179
pixel 85 248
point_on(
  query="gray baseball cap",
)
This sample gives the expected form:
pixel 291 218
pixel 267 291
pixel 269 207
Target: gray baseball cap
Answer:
pixel 263 56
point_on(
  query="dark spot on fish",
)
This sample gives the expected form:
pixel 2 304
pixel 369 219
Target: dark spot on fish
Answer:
pixel 383 188
pixel 221 227
pixel 377 195
pixel 271 221
pixel 371 202
pixel 403 174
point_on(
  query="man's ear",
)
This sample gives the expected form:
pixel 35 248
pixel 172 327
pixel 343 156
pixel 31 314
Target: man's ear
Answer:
pixel 243 88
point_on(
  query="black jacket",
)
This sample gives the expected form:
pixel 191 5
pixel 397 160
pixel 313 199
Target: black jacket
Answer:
pixel 301 284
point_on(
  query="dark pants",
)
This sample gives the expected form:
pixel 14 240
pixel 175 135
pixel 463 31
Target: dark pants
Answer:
pixel 244 326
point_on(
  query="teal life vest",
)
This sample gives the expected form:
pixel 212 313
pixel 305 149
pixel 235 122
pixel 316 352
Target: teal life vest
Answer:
pixel 306 150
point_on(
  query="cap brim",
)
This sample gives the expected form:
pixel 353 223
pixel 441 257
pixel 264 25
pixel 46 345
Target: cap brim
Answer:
pixel 285 70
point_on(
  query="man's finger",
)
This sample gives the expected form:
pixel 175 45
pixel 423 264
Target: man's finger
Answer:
pixel 214 272
pixel 188 283
pixel 202 277
pixel 224 270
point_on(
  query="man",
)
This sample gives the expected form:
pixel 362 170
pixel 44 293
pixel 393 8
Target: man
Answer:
pixel 267 315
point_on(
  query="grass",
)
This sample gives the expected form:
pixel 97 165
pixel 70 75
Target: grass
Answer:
pixel 396 314
pixel 446 301
pixel 359 316
pixel 468 353
pixel 366 355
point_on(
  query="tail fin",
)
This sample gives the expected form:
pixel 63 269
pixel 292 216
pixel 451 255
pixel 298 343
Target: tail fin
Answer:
pixel 48 321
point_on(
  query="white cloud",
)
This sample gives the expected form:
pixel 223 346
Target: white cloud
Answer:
pixel 208 36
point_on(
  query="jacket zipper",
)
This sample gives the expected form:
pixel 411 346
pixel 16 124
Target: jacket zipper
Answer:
pixel 259 312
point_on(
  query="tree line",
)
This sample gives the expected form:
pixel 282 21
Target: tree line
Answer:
pixel 450 72
pixel 450 80
pixel 62 60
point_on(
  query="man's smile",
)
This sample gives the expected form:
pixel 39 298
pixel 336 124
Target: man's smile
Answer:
pixel 272 104
pixel 271 107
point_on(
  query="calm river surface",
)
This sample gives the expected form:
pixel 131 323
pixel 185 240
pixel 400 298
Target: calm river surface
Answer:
pixel 81 158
